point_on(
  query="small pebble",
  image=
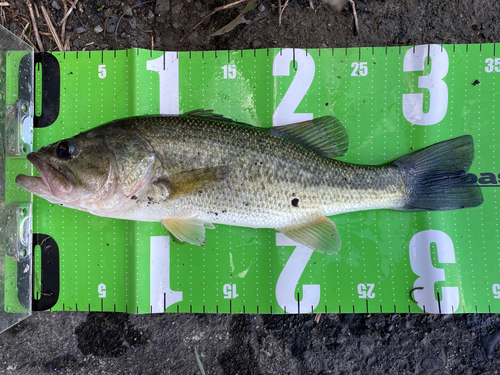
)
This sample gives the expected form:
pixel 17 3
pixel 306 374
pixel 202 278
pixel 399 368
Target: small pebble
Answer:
pixel 134 44
pixel 162 6
pixel 133 23
pixel 69 28
pixel 111 25
pixel 256 44
pixel 261 8
pixel 81 30
pixel 151 15
pixel 198 5
pixel 127 10
pixel 76 43
pixel 98 29
pixel 56 5
pixel 176 9
pixel 123 35
pixel 104 45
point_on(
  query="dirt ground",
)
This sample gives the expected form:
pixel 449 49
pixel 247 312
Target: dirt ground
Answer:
pixel 96 343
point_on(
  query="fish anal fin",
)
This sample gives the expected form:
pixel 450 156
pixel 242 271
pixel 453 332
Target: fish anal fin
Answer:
pixel 320 235
pixel 324 135
pixel 188 230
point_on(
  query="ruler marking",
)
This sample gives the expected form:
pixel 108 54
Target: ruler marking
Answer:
pixel 381 309
pixel 326 310
pixel 164 53
pixel 428 54
pixel 257 309
pixel 217 309
pixel 467 47
pixel 373 50
pixel 89 307
pixel 400 50
pixel 476 309
pixel 102 57
pixel 359 53
pixel 215 53
pixel 284 309
pixel 190 308
pixel 64 55
pixel 243 309
pixel 409 309
pixel 164 301
pixel 126 308
pixel 394 308
pixel 439 303
pixel 306 51
pixel 63 306
pixel 137 51
pixel 126 53
pixel 424 308
pixel 386 50
pixel 333 52
pixel 489 309
pixel 203 54
pixel 203 308
pixel 346 51
pixel 340 310
pixel 293 54
pixel 298 303
pixel 228 57
pixel 480 47
pixel 189 55
pixel 89 55
pixel 150 53
pixel 319 52
pixel 463 308
pixel 137 308
pixel 76 306
pixel 150 309
pixel 453 48
pixel 177 309
pixel 77 55
pixel 271 309
pixel 353 310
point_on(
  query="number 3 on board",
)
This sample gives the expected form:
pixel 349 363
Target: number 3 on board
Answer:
pixel 421 264
pixel 413 104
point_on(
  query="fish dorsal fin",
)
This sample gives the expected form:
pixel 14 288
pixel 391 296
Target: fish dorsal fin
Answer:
pixel 324 135
pixel 321 235
pixel 208 114
pixel 194 181
pixel 188 230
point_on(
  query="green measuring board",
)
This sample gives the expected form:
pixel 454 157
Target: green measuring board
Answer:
pixel 391 100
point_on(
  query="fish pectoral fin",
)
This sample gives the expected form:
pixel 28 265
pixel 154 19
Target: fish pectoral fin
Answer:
pixel 324 135
pixel 321 235
pixel 195 181
pixel 188 230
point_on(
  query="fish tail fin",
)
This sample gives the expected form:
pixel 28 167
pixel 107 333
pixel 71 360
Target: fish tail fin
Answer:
pixel 436 178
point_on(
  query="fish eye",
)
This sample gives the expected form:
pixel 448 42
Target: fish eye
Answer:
pixel 65 149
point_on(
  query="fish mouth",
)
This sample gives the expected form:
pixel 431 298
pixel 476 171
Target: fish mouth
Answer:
pixel 54 181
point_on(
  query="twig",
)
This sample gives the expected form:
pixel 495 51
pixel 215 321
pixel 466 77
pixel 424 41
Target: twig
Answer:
pixel 63 25
pixel 73 6
pixel 51 28
pixel 35 27
pixel 210 14
pixel 281 9
pixel 4 4
pixel 317 318
pixel 30 42
pixel 355 14
pixel 311 4
pixel 152 42
pixel 382 11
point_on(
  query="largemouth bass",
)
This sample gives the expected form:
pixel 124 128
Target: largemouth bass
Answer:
pixel 194 170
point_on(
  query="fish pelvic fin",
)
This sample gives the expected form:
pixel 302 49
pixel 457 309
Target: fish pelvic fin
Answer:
pixel 188 230
pixel 320 235
pixel 325 135
pixel 436 177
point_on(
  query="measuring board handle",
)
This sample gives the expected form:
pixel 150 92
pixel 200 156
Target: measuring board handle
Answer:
pixel 48 278
pixel 51 88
